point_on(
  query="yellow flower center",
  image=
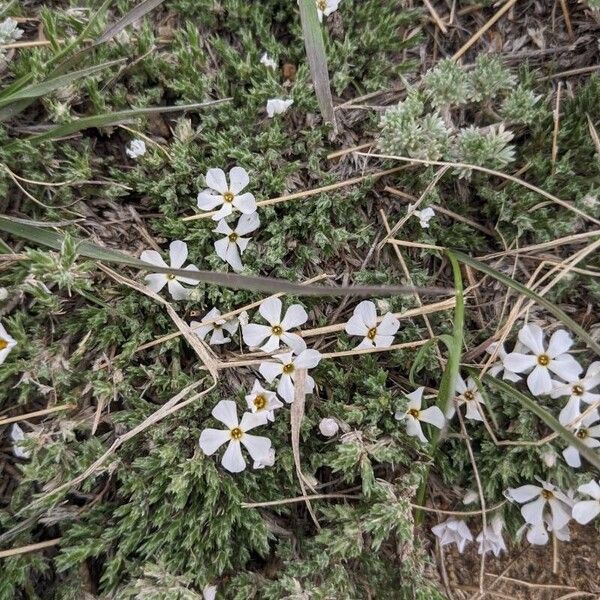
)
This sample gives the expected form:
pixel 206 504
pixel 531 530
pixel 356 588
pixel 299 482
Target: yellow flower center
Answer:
pixel 233 236
pixel 372 333
pixel 547 495
pixel 582 434
pixel 578 390
pixel 3 344
pixel 289 368
pixel 236 434
pixel 543 360
pixel 228 197
pixel 469 395
pixel 321 4
pixel 170 277
pixel 260 402
pixel 414 412
pixel 277 330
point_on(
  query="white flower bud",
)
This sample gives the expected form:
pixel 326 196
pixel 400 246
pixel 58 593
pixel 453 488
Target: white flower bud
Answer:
pixel 470 497
pixel 328 427
pixel 3 293
pixel 549 458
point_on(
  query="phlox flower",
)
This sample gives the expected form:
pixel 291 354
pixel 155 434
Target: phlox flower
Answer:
pixel 498 367
pixel 236 434
pixel 413 416
pixel 226 195
pixel 17 435
pixel 278 329
pixel 579 389
pixel 277 106
pixel 587 433
pixel 285 369
pixel 263 402
pixel 267 61
pixel 468 394
pixel 7 343
pixel 203 327
pixel 534 500
pixel 232 245
pixel 424 215
pixel 453 531
pixel 178 253
pixel 326 7
pixel 542 360
pixel 363 322
pixel 136 148
pixel 586 510
pixel 490 539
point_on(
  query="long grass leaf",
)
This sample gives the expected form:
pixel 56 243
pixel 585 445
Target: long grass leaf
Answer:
pixel 519 287
pixel 137 12
pixel 547 418
pixel 55 240
pixel 317 58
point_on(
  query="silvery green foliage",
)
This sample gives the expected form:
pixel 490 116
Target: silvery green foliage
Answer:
pixel 521 106
pixel 448 84
pixel 594 4
pixel 406 131
pixel 487 148
pixel 490 77
pixel 9 32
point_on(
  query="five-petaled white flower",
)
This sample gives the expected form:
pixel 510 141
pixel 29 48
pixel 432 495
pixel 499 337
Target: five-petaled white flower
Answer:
pixel 267 61
pixel 363 322
pixel 586 510
pixel 328 427
pixel 286 369
pixel 543 361
pixel 136 148
pixel 211 322
pixel 534 500
pixel 490 539
pixel 414 415
pixel 227 196
pixel 326 7
pixel 263 402
pixel 236 434
pixel 278 329
pixel 453 531
pixel 468 394
pixel 233 244
pixel 585 430
pixel 7 343
pixel 578 389
pixel 17 435
pixel 424 215
pixel 498 367
pixel 277 106
pixel 156 281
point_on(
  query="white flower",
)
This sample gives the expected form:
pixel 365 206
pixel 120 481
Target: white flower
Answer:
pixel 587 433
pixel 9 31
pixel 414 415
pixel 266 461
pixel 286 368
pixel 217 327
pixel 136 149
pixel 453 531
pixel 586 510
pixel 233 244
pixel 328 427
pixel 7 343
pixel 17 435
pixel 277 106
pixel 579 389
pixel 543 361
pixel 278 329
pixel 490 539
pixel 498 367
pixel 468 394
pixel 156 281
pixel 424 215
pixel 236 433
pixel 363 322
pixel 535 499
pixel 227 196
pixel 209 592
pixel 266 60
pixel 326 7
pixel 262 402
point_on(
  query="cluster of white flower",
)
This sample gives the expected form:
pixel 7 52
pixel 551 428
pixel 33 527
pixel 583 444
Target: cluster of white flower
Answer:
pixel 456 531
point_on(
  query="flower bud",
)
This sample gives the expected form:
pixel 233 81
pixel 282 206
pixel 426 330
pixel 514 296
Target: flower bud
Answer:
pixel 328 427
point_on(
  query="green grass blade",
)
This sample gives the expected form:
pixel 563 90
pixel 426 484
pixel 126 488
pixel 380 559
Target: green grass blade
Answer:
pixel 547 418
pixel 317 58
pixel 519 287
pixel 137 12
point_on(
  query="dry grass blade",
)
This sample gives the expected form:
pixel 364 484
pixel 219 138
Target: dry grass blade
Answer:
pixel 594 134
pixel 137 12
pixel 317 58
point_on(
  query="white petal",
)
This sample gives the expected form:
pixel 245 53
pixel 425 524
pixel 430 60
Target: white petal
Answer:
pixel 247 224
pixel 212 439
pixel 539 381
pixel 245 203
pixel 254 334
pixel 560 515
pixel 413 428
pixel 271 344
pixel 285 388
pixel 472 411
pixel 533 512
pixel 153 257
pixel 226 412
pixel 257 446
pixel 251 420
pixel 560 342
pixel 270 370
pixel 586 510
pixel 199 329
pixel 434 416
pixel 223 228
pixel 389 325
pixel 591 489
pixel 294 341
pixel 367 312
pixel 570 412
pixel 383 341
pixel 238 179
pixel 523 493
pixel 156 281
pixel 217 338
pixel 178 252
pixel 215 179
pixel 177 291
pixel 308 359
pixel 532 337
pixel 270 310
pixel 415 398
pixel 232 459
pixel 537 535
pixel 572 458
pixel 565 366
pixel 223 212
pixel 366 343
pixel 519 363
pixel 207 201
pixel 356 326
pixel 294 317
pixel 221 247
pixel 232 257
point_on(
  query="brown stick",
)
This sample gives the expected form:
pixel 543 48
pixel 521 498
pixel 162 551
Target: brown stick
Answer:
pixel 29 548
pixel 37 413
